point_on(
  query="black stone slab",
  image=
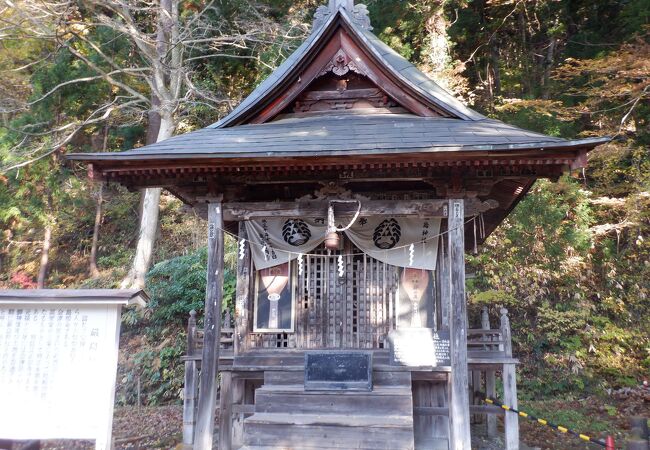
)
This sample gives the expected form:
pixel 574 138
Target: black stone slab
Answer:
pixel 420 347
pixel 338 370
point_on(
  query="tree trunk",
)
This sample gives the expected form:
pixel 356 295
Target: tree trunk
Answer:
pixel 162 116
pixel 153 126
pixel 45 256
pixel 94 271
pixel 548 66
pixel 153 129
pixel 494 65
pixel 524 55
pixel 148 221
pixel 92 265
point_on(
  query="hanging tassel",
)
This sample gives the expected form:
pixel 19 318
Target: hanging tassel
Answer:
pixel 242 249
pixel 411 254
pixel 341 268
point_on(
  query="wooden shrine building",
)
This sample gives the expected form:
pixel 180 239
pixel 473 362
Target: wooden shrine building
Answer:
pixel 354 185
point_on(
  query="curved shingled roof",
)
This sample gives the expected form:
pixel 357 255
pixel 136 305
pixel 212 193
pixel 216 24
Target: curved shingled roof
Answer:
pixel 347 135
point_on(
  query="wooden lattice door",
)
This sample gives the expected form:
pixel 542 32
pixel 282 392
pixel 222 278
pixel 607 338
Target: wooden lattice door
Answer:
pixel 349 308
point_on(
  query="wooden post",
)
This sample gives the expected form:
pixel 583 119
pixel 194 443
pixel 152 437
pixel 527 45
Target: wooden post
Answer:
pixel 490 379
pixel 445 299
pixel 477 381
pixel 238 398
pixel 225 412
pixel 189 389
pixel 460 438
pixel 509 386
pixel 243 293
pixel 639 434
pixel 477 386
pixel 212 327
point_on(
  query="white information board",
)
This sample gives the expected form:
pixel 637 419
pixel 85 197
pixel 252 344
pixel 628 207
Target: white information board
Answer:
pixel 58 364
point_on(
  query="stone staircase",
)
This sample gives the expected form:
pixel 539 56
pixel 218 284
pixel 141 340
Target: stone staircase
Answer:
pixel 288 417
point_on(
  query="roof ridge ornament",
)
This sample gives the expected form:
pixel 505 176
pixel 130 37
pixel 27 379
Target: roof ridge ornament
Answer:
pixel 359 13
pixel 336 4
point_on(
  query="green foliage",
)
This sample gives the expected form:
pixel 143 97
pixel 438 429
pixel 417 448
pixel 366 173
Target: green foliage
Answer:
pixel 157 367
pixel 574 296
pixel 177 286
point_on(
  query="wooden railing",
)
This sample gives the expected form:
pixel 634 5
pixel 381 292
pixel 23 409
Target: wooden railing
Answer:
pixel 484 345
pixel 481 342
pixel 195 336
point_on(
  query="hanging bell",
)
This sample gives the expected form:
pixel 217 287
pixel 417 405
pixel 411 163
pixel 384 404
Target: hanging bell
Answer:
pixel 332 240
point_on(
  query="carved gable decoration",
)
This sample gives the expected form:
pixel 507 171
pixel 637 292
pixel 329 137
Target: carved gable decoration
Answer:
pixel 341 64
pixel 341 85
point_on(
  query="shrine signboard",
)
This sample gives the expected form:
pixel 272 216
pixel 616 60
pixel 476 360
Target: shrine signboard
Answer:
pixel 420 347
pixel 58 362
pixel 334 370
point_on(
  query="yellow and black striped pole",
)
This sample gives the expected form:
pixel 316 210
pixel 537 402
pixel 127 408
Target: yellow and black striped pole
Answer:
pixel 560 428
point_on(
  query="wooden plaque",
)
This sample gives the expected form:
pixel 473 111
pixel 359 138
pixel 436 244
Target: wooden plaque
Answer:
pixel 419 347
pixel 338 371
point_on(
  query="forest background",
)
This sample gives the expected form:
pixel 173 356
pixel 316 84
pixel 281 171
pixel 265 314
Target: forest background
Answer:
pixel 571 263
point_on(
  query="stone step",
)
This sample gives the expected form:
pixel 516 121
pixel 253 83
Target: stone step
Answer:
pixel 298 377
pixel 333 431
pixel 261 447
pixel 342 420
pixel 294 399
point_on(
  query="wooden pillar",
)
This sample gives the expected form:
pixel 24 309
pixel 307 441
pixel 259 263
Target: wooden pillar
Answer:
pixel 490 379
pixel 238 398
pixel 190 386
pixel 477 386
pixel 212 329
pixel 444 286
pixel 459 425
pixel 225 412
pixel 243 293
pixel 509 386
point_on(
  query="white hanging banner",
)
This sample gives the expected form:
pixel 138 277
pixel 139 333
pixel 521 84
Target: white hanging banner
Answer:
pixel 277 241
pixel 399 241
pixel 389 240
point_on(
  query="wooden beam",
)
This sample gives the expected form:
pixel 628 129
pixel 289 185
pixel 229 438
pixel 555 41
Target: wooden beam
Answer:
pixel 213 300
pixel 491 410
pixel 242 297
pixel 318 208
pixel 459 425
